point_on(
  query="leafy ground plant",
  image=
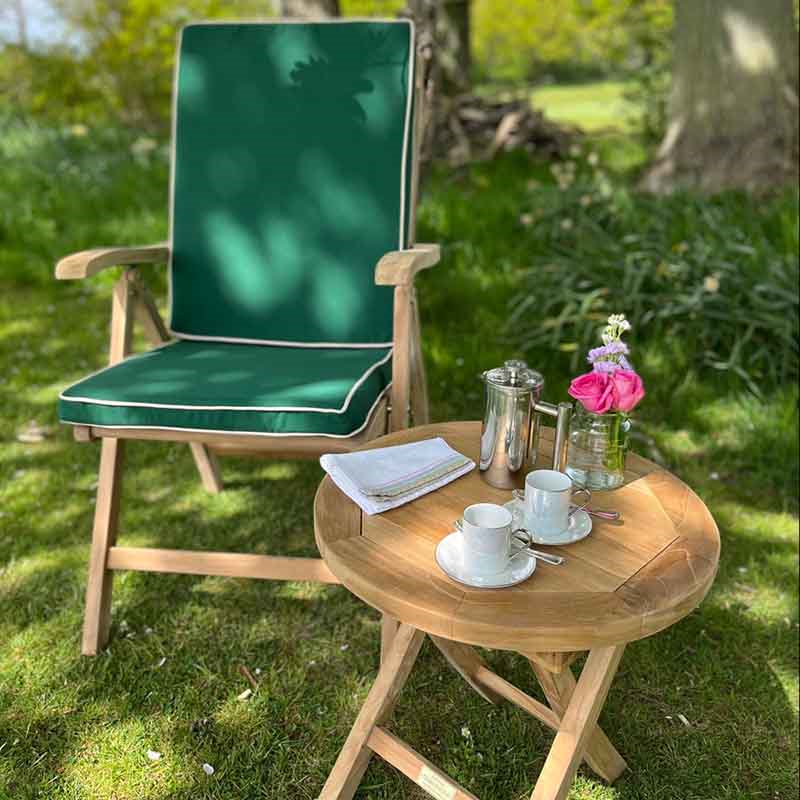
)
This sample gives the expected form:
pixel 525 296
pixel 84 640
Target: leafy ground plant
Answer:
pixel 706 710
pixel 717 278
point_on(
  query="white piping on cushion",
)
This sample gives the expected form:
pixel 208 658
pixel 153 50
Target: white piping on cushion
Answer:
pixel 358 430
pixel 281 343
pixel 174 128
pixel 177 407
pixel 412 62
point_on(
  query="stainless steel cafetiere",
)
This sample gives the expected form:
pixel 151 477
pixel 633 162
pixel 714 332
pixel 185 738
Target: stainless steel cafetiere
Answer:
pixel 511 424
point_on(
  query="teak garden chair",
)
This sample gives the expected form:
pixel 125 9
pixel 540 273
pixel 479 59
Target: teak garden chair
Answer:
pixel 293 328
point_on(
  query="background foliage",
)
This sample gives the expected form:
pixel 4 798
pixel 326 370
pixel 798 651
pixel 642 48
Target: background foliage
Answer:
pixel 537 39
pixel 113 59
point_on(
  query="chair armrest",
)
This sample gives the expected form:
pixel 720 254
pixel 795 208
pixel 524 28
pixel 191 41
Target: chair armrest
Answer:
pixel 90 262
pixel 399 267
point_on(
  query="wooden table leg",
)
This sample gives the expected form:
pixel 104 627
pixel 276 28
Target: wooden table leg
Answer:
pixel 392 676
pixel 467 663
pixel 389 627
pixel 578 724
pixel 600 754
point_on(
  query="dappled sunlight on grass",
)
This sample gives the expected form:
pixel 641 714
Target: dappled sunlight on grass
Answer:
pixel 280 471
pixel 170 680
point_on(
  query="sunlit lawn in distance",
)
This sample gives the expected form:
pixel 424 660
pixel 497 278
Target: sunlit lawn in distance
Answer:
pixel 75 728
pixel 600 105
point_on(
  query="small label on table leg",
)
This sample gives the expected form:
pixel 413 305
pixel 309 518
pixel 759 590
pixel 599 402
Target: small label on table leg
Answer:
pixel 435 785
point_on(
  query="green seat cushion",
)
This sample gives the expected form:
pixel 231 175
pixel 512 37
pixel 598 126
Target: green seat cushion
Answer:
pixel 290 179
pixel 237 388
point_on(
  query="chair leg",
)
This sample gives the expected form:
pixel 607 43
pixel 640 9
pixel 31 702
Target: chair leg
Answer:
pixel 97 620
pixel 208 466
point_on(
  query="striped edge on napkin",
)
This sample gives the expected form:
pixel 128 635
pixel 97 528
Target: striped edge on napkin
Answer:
pixel 387 477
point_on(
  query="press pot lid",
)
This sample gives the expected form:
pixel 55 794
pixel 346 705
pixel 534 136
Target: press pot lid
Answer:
pixel 514 375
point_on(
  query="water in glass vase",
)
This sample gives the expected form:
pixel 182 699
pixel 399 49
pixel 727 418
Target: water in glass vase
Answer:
pixel 597 446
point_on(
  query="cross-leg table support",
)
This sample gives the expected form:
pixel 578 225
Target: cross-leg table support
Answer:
pixel 573 714
pixel 392 676
pixel 578 724
pixel 600 754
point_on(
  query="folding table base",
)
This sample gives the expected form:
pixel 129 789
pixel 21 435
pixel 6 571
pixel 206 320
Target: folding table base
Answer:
pixel 573 712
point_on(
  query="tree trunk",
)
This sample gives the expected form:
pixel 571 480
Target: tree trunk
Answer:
pixel 446 22
pixel 310 8
pixel 734 102
pixel 452 34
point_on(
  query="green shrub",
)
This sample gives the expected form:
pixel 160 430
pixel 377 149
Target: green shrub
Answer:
pixel 570 40
pixel 713 280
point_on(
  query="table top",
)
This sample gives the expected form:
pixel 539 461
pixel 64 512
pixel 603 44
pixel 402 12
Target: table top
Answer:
pixel 622 583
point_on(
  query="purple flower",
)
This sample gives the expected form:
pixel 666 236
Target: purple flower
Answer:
pixel 605 366
pixel 615 348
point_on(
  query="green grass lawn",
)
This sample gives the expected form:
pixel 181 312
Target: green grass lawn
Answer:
pixel 599 105
pixel 72 727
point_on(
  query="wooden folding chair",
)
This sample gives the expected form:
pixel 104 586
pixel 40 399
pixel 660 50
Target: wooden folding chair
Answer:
pixel 294 327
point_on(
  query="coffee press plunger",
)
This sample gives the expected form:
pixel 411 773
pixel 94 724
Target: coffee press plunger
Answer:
pixel 511 424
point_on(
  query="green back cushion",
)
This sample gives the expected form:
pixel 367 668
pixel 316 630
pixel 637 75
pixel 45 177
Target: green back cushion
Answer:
pixel 291 178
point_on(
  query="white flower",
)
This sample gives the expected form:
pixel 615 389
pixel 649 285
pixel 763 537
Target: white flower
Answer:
pixel 208 769
pixel 154 755
pixel 466 732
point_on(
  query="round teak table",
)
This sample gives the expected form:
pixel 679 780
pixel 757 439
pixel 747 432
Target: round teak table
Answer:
pixel 624 582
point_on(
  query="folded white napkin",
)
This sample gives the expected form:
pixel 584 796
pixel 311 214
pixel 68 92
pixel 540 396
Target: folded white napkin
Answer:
pixel 387 477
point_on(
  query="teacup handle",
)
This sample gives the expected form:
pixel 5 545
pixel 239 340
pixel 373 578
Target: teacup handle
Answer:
pixel 583 505
pixel 459 525
pixel 518 494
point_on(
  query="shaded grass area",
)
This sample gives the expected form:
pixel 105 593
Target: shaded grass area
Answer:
pixel 80 728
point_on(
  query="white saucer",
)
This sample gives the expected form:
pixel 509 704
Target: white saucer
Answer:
pixel 448 557
pixel 580 526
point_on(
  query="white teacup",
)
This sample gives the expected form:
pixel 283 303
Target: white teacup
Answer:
pixel 548 499
pixel 486 539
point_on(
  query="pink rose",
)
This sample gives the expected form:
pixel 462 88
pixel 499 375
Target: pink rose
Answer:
pixel 627 389
pixel 594 390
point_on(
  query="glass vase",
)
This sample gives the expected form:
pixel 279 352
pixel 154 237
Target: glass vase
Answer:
pixel 597 447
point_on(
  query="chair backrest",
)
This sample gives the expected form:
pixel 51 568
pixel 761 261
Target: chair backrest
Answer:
pixel 291 178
